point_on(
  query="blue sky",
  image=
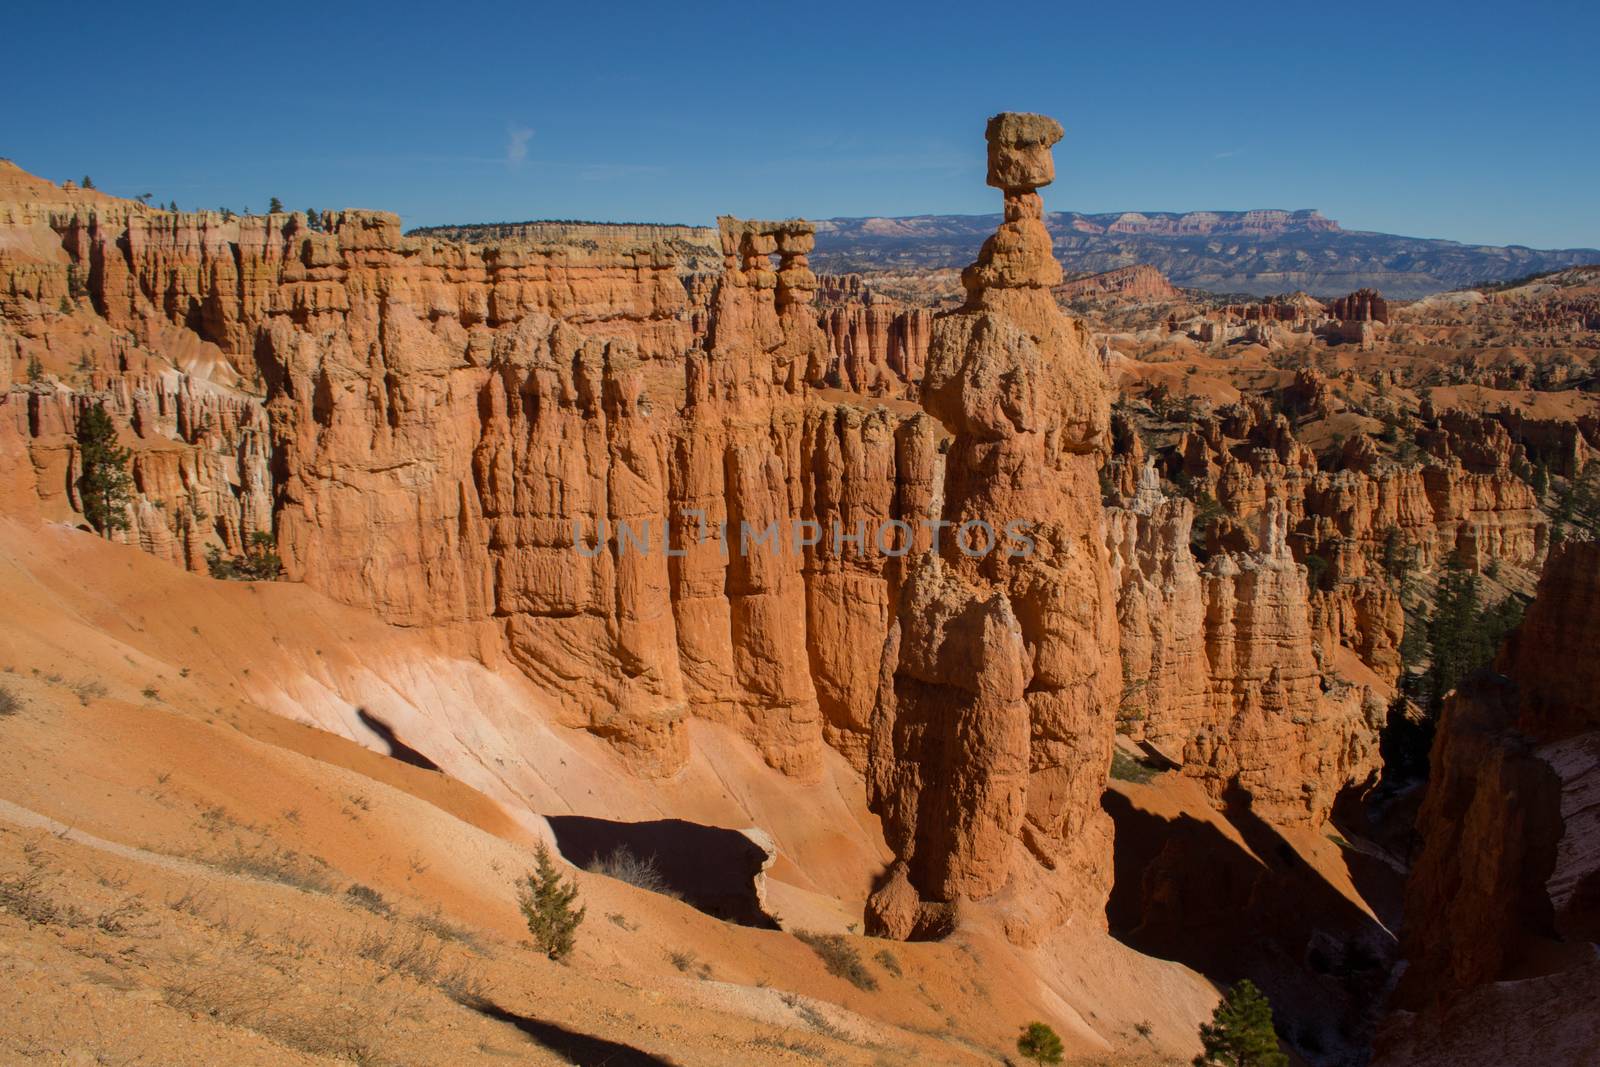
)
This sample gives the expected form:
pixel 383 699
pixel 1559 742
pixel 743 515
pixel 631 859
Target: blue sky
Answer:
pixel 1470 121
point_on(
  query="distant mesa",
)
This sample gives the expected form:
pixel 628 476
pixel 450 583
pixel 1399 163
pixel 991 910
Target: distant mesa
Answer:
pixel 1265 251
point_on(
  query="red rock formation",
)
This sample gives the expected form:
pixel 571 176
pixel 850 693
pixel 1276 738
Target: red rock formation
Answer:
pixel 837 289
pixel 1220 665
pixel 876 349
pixel 1363 305
pixel 1510 861
pixel 993 727
pixel 1138 282
pixel 1295 308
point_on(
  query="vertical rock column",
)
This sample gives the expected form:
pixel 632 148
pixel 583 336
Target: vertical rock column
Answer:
pixel 739 595
pixel 993 727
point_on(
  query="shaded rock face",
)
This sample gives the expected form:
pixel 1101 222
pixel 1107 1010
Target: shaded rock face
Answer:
pixel 876 349
pixel 1510 861
pixel 992 729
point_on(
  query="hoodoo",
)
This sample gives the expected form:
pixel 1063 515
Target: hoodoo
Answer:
pixel 992 730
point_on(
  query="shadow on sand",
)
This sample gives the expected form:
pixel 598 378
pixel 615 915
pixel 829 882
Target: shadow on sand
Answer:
pixel 582 1050
pixel 712 869
pixel 1185 891
pixel 398 749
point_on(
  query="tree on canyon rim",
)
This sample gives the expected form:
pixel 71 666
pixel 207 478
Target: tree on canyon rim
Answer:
pixel 104 485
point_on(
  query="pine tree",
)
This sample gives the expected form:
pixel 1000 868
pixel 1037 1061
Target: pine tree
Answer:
pixel 1458 641
pixel 88 182
pixel 1039 1043
pixel 546 903
pixel 1240 1032
pixel 275 206
pixel 35 370
pixel 1405 741
pixel 313 218
pixel 1578 506
pixel 104 485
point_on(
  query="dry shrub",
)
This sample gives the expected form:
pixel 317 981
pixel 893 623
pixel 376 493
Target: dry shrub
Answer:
pixel 284 867
pixel 28 896
pixel 640 871
pixel 414 954
pixel 840 957
pixel 689 963
pixel 445 930
pixel 363 896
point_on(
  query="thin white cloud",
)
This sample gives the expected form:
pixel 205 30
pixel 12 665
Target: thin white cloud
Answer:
pixel 1226 155
pixel 517 138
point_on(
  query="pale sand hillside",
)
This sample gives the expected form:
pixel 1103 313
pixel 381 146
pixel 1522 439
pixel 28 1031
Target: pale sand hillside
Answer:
pixel 176 850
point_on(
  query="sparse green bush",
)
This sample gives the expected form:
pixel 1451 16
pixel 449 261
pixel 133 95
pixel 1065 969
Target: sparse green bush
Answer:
pixel 888 962
pixel 840 957
pixel 10 703
pixel 1317 568
pixel 1039 1043
pixel 547 900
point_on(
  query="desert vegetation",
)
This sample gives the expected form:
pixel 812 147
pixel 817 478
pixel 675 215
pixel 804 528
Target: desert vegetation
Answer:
pixel 840 957
pixel 1240 1033
pixel 548 904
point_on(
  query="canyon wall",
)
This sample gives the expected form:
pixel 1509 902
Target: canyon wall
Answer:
pixel 662 493
pixel 1138 282
pixel 1354 515
pixel 1503 902
pixel 1511 835
pixel 1223 673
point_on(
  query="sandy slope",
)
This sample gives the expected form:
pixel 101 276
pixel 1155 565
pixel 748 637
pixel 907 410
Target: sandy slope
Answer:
pixel 189 787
